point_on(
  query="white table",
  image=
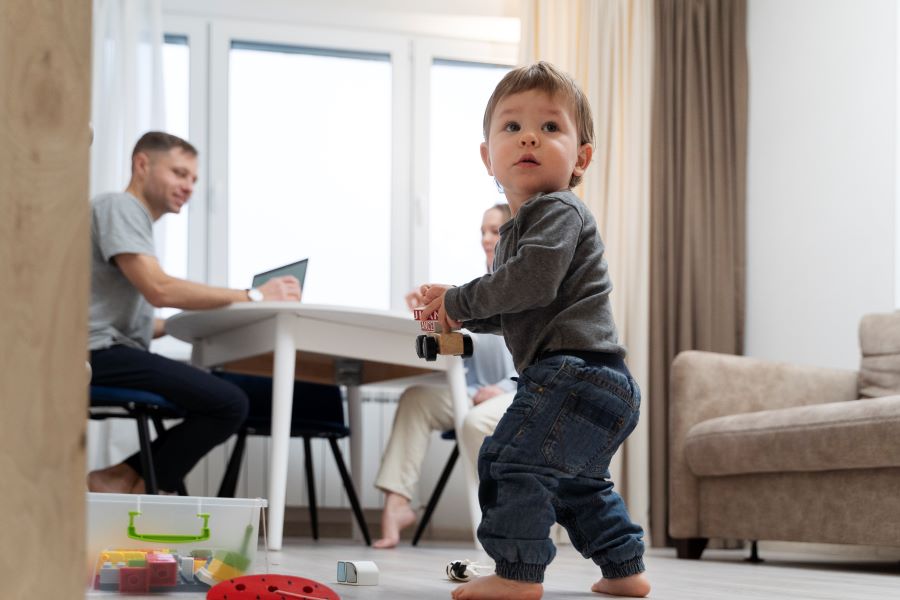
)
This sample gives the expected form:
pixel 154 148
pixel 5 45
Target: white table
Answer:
pixel 321 344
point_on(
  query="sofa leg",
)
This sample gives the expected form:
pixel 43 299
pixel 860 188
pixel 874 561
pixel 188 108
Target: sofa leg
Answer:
pixel 754 553
pixel 690 548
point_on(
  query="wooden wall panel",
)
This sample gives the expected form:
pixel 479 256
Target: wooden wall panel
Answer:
pixel 45 86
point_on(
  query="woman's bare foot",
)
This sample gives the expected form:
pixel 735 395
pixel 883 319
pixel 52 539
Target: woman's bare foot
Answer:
pixel 396 516
pixel 494 587
pixel 118 479
pixel 634 586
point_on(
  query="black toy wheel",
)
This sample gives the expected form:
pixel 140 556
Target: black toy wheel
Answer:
pixel 420 346
pixel 430 348
pixel 468 348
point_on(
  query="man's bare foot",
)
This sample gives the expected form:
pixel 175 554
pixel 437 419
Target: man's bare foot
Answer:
pixel 634 586
pixel 118 479
pixel 494 587
pixel 396 516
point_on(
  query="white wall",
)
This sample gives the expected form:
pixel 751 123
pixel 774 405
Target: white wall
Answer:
pixel 821 175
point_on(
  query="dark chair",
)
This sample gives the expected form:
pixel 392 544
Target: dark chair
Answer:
pixel 318 412
pixel 439 488
pixel 123 403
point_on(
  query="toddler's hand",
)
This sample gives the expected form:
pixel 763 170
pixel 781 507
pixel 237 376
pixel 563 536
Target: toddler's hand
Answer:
pixel 433 299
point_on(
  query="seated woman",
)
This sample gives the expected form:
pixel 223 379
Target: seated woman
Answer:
pixel 423 409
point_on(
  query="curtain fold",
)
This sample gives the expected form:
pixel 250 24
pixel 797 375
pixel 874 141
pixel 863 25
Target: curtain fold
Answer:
pixel 128 97
pixel 127 101
pixel 607 46
pixel 697 199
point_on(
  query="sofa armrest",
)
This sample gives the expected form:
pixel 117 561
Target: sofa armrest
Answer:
pixel 704 385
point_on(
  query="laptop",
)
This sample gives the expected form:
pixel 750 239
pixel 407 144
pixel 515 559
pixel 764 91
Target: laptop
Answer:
pixel 297 269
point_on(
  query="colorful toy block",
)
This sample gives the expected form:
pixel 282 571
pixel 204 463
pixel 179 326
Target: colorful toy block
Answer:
pixel 109 575
pixel 163 569
pixel 134 579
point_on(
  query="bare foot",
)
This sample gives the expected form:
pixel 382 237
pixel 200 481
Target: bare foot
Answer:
pixel 139 486
pixel 397 515
pixel 118 479
pixel 634 586
pixel 494 587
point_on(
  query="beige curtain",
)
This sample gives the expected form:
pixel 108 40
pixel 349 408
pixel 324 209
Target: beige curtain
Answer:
pixel 607 46
pixel 698 186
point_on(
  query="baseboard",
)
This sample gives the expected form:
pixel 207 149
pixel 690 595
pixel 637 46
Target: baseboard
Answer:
pixel 333 522
pixel 337 523
pixel 838 551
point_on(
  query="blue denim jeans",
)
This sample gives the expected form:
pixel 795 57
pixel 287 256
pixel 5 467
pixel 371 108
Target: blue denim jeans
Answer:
pixel 548 461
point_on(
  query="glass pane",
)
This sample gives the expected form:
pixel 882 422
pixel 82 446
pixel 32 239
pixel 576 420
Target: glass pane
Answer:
pixel 172 230
pixel 309 166
pixel 460 188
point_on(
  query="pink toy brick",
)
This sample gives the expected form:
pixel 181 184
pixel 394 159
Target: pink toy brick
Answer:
pixel 163 569
pixel 134 579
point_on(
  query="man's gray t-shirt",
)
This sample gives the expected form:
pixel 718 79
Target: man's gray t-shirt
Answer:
pixel 119 314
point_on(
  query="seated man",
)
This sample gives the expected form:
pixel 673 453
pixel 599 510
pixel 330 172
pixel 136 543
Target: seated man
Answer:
pixel 127 282
pixel 423 409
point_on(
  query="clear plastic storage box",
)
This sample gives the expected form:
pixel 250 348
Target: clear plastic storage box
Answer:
pixel 145 544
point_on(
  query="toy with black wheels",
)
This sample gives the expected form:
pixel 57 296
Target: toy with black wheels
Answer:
pixel 429 345
pixel 426 347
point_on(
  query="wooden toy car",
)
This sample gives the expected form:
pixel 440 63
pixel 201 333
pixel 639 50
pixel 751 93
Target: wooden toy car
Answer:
pixel 430 344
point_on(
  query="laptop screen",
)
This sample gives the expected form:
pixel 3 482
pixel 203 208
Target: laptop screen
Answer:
pixel 297 269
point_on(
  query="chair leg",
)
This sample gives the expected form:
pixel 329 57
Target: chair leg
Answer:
pixel 311 487
pixel 351 492
pixel 146 454
pixel 228 487
pixel 160 432
pixel 436 495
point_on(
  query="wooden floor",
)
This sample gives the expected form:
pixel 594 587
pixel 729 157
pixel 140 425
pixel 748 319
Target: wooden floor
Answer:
pixel 418 573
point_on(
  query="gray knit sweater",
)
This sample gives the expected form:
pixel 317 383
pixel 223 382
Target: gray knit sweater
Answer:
pixel 550 286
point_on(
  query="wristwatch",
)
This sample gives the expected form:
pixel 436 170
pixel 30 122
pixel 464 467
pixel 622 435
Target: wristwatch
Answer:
pixel 255 295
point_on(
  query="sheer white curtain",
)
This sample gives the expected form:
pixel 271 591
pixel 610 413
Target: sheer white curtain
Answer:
pixel 607 45
pixel 128 85
pixel 127 101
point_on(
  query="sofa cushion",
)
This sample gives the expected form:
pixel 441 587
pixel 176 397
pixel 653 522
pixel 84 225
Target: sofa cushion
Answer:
pixel 822 437
pixel 879 341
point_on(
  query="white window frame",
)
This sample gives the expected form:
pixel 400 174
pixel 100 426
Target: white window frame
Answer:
pixel 197 33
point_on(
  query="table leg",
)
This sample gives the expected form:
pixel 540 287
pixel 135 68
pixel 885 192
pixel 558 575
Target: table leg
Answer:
pixel 282 405
pixel 456 378
pixel 354 408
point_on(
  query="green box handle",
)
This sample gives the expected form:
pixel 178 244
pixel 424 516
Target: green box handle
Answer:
pixel 167 538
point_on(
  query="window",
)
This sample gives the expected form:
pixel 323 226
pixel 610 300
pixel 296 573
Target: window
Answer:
pixel 460 190
pixel 318 143
pixel 309 169
pixel 172 230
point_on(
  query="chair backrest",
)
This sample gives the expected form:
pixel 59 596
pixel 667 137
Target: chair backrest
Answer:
pixel 315 405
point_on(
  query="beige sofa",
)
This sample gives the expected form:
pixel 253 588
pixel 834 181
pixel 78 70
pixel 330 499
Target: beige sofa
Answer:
pixel 772 451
